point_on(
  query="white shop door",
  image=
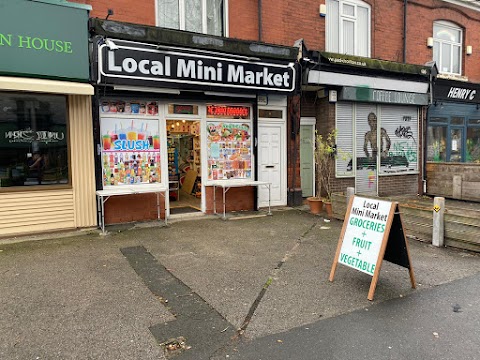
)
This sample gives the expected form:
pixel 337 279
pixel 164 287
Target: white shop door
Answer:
pixel 271 163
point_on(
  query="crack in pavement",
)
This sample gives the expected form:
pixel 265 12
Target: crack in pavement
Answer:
pixel 269 281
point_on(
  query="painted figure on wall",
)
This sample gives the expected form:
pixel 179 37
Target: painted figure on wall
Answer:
pixel 371 139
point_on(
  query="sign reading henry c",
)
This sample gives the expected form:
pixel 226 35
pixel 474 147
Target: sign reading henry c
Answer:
pixel 144 62
pixel 456 91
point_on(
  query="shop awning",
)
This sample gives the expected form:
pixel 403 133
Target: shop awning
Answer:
pixel 45 86
pixel 318 77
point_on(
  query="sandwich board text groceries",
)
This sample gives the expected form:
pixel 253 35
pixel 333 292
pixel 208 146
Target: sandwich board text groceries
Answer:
pixel 372 232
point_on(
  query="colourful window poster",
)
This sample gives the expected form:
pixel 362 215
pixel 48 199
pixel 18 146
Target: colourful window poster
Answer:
pixel 130 151
pixel 229 150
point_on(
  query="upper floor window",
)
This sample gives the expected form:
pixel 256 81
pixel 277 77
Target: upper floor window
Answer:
pixel 201 16
pixel 447 47
pixel 348 27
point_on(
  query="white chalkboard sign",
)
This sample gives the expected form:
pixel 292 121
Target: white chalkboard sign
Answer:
pixel 368 238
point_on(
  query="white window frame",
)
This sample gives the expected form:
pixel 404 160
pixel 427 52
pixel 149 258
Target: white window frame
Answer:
pixel 440 42
pixel 347 18
pixel 181 11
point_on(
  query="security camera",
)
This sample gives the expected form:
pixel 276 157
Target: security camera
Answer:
pixel 111 45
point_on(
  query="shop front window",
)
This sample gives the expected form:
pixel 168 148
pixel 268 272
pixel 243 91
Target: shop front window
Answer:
pixel 473 142
pixel 130 143
pixel 33 140
pixel 453 139
pixel 437 143
pixel 229 142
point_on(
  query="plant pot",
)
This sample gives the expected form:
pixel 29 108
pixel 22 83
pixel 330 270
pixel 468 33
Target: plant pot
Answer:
pixel 316 205
pixel 328 209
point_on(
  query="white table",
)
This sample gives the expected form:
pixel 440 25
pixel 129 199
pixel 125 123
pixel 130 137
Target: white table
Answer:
pixel 105 194
pixel 227 184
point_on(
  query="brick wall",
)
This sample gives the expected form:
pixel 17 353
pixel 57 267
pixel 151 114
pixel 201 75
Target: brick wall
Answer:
pixel 284 21
pixel 129 208
pixel 237 199
pixel 138 12
pixel 422 14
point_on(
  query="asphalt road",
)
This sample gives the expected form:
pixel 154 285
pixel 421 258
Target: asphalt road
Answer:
pixel 255 288
pixel 441 323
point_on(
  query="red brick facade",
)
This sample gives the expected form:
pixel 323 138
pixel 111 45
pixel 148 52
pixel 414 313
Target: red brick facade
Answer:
pixel 285 21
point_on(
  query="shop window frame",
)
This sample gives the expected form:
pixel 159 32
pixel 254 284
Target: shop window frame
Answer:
pixel 59 185
pixel 450 126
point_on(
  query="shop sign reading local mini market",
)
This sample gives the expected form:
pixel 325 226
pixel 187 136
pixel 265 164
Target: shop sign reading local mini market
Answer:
pixel 143 64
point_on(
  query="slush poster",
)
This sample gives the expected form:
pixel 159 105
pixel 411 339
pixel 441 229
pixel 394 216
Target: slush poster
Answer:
pixel 130 151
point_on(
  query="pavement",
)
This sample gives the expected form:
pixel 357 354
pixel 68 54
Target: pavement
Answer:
pixel 204 289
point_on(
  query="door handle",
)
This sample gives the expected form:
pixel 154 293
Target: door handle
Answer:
pixel 270 166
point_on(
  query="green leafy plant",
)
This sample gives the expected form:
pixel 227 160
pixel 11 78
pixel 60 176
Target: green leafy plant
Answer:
pixel 325 154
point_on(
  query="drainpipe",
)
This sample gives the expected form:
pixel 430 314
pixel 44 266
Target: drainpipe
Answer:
pixel 259 20
pixel 405 31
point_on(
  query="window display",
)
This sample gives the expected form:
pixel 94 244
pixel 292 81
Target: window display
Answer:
pixel 130 145
pixel 229 150
pixel 454 138
pixel 33 140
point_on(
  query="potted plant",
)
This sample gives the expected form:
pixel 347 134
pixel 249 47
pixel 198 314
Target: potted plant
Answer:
pixel 325 153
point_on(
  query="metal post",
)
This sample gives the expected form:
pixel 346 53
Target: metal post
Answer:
pixel 438 222
pixel 350 193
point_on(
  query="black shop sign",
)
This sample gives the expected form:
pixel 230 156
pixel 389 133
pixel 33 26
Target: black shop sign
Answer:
pixel 123 62
pixel 456 91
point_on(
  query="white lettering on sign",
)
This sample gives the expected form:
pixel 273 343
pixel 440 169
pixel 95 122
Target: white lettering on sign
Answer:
pixel 146 67
pixel 191 69
pixel 461 93
pixel 393 97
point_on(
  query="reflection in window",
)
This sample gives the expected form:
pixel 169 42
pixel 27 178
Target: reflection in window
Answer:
pixel 436 143
pixel 447 47
pixel 201 16
pixel 473 145
pixel 33 140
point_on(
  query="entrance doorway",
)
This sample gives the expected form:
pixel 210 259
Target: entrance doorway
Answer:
pixel 184 166
pixel 272 157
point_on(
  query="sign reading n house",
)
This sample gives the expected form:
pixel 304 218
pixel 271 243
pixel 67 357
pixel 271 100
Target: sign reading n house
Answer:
pixel 46 40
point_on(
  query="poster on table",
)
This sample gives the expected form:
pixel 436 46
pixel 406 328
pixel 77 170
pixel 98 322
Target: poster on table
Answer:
pixel 229 150
pixel 130 150
pixel 372 232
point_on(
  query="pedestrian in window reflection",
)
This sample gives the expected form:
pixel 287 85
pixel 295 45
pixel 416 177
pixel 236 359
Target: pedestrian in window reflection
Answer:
pixel 36 166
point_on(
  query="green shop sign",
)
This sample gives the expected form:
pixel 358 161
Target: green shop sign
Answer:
pixel 44 38
pixel 366 94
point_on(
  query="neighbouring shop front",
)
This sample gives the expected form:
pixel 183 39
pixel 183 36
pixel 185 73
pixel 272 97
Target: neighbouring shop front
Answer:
pixel 46 165
pixel 453 140
pixel 170 111
pixel 377 109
